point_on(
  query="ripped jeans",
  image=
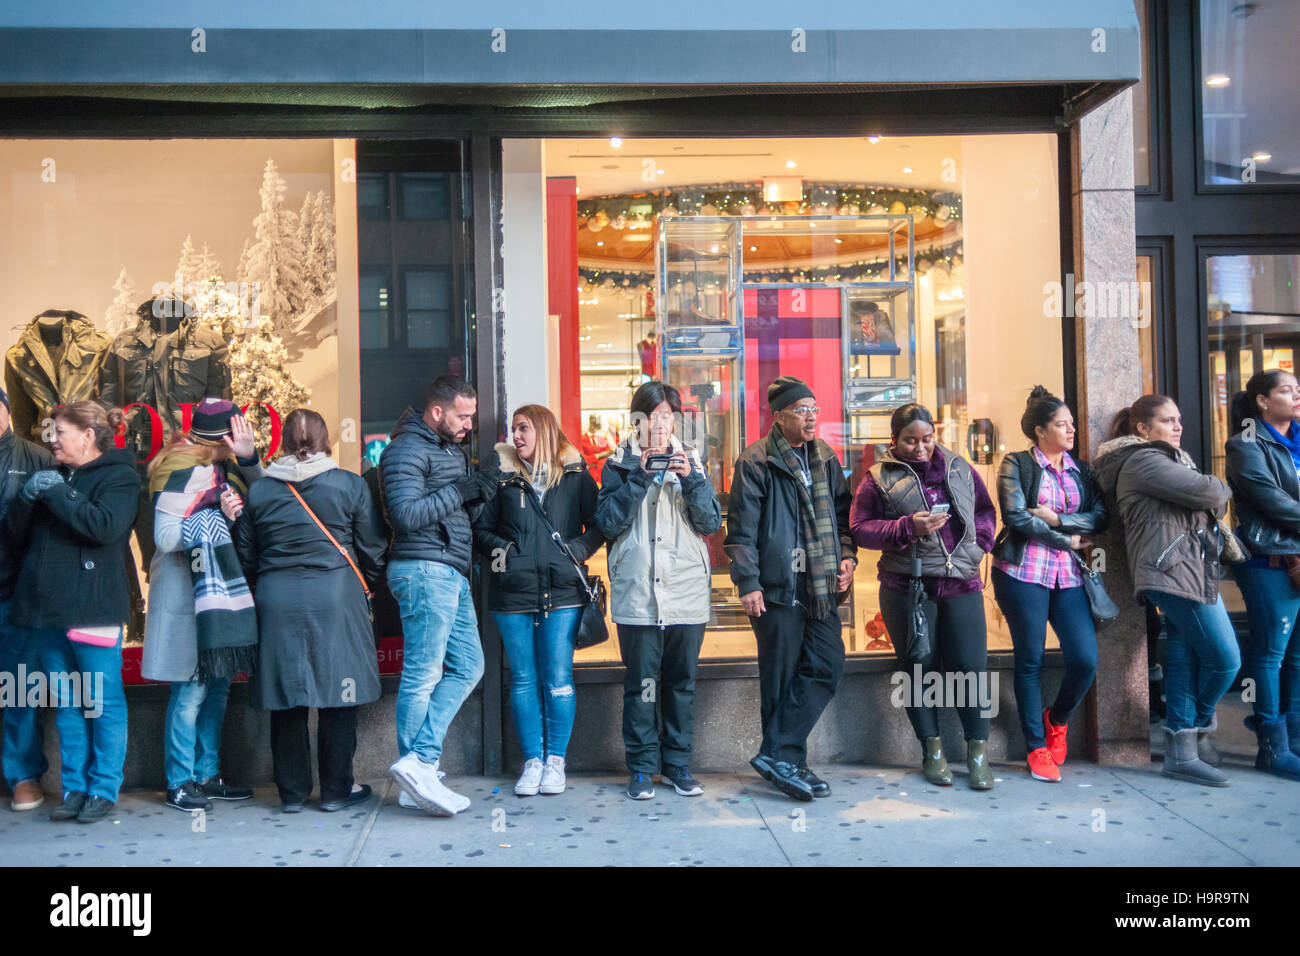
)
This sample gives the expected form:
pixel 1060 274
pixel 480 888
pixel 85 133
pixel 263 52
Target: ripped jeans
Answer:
pixel 539 648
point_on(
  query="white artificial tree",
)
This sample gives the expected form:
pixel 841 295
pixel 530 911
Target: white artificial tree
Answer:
pixel 121 316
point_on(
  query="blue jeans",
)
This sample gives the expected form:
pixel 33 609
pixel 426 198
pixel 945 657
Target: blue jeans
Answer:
pixel 24 755
pixel 1028 609
pixel 93 747
pixel 1273 652
pixel 442 659
pixel 1201 658
pixel 540 650
pixel 195 713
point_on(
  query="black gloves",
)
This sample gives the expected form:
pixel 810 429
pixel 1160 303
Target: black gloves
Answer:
pixel 477 486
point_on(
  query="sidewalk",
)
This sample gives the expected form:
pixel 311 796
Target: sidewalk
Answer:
pixel 1097 816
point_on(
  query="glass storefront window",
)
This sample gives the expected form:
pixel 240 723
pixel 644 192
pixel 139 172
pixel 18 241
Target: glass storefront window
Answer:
pixel 1142 156
pixel 880 270
pixel 1146 325
pixel 1250 118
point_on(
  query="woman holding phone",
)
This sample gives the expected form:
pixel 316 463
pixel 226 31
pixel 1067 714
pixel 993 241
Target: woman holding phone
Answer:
pixel 656 506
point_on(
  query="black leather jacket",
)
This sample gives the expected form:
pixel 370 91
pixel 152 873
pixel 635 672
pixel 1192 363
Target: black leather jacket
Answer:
pixel 1265 491
pixel 1018 481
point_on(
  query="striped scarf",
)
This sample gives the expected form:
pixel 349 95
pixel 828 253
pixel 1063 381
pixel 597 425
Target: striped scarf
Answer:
pixel 817 522
pixel 224 615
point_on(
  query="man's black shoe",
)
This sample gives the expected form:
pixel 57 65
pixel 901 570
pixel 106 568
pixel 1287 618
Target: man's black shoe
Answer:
pixel 72 803
pixel 785 776
pixel 682 781
pixel 351 800
pixel 218 789
pixel 188 798
pixel 95 809
pixel 820 788
pixel 763 764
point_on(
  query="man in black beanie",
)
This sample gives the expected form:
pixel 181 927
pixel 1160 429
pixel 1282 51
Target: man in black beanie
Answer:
pixel 24 751
pixel 792 559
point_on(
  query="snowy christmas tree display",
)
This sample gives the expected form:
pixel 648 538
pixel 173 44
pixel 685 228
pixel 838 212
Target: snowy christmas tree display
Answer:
pixel 257 366
pixel 121 316
pixel 274 263
pixel 219 308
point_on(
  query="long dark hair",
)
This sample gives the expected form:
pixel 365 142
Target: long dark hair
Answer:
pixel 1143 412
pixel 1244 404
pixel 1040 408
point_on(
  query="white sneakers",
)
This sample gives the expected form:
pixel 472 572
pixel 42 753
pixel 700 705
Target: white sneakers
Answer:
pixel 422 783
pixel 530 781
pixel 553 775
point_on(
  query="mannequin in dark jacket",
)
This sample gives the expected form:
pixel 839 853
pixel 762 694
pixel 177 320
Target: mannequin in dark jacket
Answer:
pixel 773 546
pixel 894 512
pixel 1263 461
pixel 534 592
pixel 1051 506
pixel 1171 515
pixel 23 755
pixel 72 577
pixel 432 496
pixel 315 648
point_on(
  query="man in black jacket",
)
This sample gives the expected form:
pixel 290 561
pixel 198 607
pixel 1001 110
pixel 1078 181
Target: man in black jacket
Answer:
pixel 24 755
pixel 792 558
pixel 432 496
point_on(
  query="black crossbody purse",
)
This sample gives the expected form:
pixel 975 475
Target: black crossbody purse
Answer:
pixel 592 629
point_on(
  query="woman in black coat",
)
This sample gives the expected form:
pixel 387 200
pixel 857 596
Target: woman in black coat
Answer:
pixel 534 591
pixel 71 592
pixel 317 648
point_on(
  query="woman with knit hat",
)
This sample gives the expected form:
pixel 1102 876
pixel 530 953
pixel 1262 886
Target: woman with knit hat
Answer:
pixel 201 630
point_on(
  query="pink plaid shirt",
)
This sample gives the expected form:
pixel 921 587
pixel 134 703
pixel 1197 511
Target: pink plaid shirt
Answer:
pixel 1050 567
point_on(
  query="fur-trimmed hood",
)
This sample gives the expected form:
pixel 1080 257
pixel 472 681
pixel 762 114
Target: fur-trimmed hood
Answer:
pixel 512 464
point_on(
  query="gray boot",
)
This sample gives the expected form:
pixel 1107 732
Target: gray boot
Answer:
pixel 1182 763
pixel 1205 748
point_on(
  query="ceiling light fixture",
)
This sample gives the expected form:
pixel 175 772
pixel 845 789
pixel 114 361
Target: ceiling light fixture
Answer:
pixel 1218 80
pixel 615 142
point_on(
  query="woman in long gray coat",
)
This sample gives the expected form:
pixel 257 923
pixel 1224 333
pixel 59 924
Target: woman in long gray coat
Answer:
pixel 317 646
pixel 184 479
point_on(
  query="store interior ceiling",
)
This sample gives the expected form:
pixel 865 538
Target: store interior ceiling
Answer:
pixel 610 326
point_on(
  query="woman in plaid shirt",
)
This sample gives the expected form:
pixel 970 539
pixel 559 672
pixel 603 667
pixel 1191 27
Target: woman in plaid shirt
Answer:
pixel 1051 506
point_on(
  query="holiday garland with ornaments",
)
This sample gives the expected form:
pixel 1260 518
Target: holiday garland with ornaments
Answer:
pixel 639 210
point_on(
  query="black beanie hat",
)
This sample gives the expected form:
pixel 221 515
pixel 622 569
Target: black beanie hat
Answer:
pixel 786 390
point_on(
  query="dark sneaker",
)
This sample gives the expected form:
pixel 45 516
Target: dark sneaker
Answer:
pixel 640 786
pixel 218 789
pixel 187 797
pixel 820 788
pixel 95 809
pixel 359 795
pixel 682 781
pixel 72 803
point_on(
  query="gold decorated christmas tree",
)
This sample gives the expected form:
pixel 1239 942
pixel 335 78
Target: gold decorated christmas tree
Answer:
pixel 257 367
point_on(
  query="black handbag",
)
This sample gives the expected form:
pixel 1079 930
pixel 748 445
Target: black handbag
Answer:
pixel 1103 609
pixel 918 625
pixel 592 629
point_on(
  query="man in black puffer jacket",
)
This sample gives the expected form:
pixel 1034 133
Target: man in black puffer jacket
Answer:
pixel 432 495
pixel 24 755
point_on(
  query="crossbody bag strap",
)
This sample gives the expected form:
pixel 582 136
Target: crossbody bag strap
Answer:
pixel 555 536
pixel 342 550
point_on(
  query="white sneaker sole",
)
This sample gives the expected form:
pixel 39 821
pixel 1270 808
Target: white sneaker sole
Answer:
pixel 642 796
pixel 527 791
pixel 29 805
pixel 551 790
pixel 685 793
pixel 424 801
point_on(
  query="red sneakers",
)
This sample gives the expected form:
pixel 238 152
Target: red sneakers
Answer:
pixel 1055 738
pixel 1043 767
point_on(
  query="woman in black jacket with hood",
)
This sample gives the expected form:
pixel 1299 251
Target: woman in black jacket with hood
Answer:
pixel 534 592
pixel 72 592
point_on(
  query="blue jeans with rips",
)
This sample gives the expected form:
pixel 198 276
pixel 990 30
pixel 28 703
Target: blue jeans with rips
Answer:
pixel 540 650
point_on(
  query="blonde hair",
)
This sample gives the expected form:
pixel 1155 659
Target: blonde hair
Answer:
pixel 551 441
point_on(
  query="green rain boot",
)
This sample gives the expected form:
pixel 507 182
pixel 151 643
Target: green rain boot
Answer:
pixel 977 763
pixel 933 764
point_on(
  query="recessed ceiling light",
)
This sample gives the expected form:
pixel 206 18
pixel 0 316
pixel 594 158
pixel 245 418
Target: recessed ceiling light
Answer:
pixel 600 242
pixel 838 239
pixel 1218 79
pixel 753 248
pixel 1262 156
pixel 790 164
pixel 874 138
pixel 907 169
pixel 659 172
pixel 615 142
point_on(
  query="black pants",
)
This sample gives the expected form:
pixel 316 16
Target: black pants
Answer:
pixel 800 662
pixel 659 693
pixel 336 743
pixel 958 645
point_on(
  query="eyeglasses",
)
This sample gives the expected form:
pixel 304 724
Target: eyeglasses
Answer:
pixel 805 411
